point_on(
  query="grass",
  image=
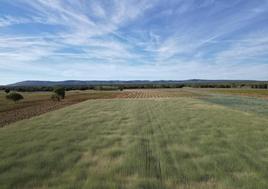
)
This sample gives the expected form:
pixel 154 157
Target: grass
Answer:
pixel 137 143
pixel 263 93
pixel 245 104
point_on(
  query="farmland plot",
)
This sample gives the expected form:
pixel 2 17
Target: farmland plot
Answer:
pixel 36 103
pixel 137 143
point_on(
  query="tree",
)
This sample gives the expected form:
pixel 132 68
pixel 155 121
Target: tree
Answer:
pixel 14 96
pixel 55 97
pixel 60 91
pixel 7 90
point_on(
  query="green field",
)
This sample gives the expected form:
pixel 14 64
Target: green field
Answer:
pixel 150 143
pixel 244 92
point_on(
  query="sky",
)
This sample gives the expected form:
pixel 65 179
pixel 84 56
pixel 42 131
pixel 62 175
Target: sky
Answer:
pixel 133 40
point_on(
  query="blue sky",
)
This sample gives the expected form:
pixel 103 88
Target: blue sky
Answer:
pixel 133 39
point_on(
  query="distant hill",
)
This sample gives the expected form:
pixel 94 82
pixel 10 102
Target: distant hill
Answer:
pixel 117 82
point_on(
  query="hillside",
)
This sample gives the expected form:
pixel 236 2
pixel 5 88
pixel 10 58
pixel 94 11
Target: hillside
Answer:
pixel 117 82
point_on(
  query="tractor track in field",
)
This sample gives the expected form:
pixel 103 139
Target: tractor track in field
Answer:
pixel 147 150
pixel 166 152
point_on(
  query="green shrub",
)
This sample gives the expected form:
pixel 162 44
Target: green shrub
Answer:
pixel 7 91
pixel 60 91
pixel 14 96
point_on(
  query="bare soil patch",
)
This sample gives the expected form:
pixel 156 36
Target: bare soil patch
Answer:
pixel 35 109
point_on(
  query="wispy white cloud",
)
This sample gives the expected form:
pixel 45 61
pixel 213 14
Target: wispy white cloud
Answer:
pixel 11 20
pixel 26 49
pixel 81 30
pixel 98 10
pixel 179 38
pixel 251 47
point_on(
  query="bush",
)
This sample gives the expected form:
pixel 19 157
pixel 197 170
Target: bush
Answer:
pixel 55 97
pixel 14 96
pixel 60 91
pixel 7 90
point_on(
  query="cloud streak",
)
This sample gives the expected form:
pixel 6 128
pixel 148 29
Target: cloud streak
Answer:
pixel 135 39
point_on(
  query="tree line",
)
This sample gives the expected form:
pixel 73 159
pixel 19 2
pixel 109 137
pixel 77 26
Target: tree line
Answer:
pixel 254 85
